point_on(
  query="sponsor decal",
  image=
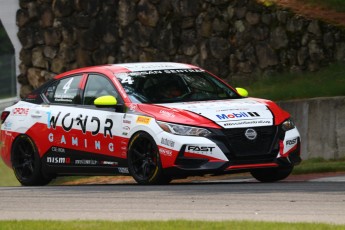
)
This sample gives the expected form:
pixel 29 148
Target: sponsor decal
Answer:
pixel 194 148
pixel 75 141
pixel 123 170
pixel 133 107
pixel 165 152
pixel 111 163
pixel 143 120
pixel 167 113
pixel 167 142
pixel 82 121
pixel 248 123
pixel 291 142
pixel 124 133
pixel 127 128
pixel 85 162
pixel 237 115
pixel 127 122
pixel 58 150
pixel 20 111
pixel 250 134
pixel 7 125
pixel 59 160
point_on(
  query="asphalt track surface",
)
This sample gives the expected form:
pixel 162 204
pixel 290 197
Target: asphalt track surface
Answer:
pixel 312 200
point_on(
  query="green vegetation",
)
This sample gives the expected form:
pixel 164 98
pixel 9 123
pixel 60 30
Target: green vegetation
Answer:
pixel 320 165
pixel 7 177
pixel 338 5
pixel 327 82
pixel 167 225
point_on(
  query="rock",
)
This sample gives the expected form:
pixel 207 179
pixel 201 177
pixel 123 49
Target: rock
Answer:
pixel 266 55
pixel 340 51
pixel 315 51
pixel 126 12
pixel 25 90
pixel 38 58
pixel 279 38
pixel 219 47
pixel 62 8
pixel 47 18
pixel 22 18
pixel 58 65
pixel 252 18
pixel 314 28
pixel 147 13
pixel 26 38
pixel 239 25
pixel 52 37
pixel 35 77
pixel 50 51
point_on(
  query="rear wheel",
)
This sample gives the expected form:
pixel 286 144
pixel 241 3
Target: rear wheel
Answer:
pixel 272 174
pixel 26 162
pixel 144 161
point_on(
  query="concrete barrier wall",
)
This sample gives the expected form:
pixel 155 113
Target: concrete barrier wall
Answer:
pixel 321 122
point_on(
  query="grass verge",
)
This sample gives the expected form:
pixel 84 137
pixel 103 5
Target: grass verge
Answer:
pixel 167 225
pixel 327 82
pixel 320 165
pixel 338 5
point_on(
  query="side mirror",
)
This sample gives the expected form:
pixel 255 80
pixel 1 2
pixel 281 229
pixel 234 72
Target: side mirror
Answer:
pixel 242 92
pixel 105 101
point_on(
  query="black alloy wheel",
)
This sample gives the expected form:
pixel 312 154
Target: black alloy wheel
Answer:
pixel 144 160
pixel 26 162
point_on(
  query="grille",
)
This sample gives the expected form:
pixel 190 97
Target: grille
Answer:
pixel 241 146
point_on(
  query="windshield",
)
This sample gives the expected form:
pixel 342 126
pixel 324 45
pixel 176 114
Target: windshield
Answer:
pixel 169 86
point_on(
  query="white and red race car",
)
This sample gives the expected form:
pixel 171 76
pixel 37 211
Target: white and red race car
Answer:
pixel 153 121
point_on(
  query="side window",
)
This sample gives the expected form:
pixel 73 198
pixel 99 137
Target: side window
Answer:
pixel 64 91
pixel 97 86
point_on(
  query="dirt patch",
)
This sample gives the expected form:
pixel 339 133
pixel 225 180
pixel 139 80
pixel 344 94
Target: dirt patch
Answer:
pixel 312 11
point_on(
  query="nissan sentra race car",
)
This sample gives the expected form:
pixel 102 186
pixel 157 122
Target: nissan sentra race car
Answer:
pixel 153 121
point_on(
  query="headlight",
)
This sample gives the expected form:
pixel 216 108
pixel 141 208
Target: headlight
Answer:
pixel 183 130
pixel 288 124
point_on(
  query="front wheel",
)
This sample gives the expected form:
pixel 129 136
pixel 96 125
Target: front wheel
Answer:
pixel 26 162
pixel 271 174
pixel 144 161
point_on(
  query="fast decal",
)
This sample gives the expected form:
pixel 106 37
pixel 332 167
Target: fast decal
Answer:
pixel 291 142
pixel 198 149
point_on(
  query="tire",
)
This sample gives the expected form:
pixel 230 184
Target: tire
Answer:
pixel 272 174
pixel 26 162
pixel 144 161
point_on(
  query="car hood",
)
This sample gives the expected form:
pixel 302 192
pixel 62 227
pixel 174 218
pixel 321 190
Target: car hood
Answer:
pixel 232 113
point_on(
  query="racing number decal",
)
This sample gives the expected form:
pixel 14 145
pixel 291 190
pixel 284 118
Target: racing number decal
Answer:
pixel 67 86
pixel 128 80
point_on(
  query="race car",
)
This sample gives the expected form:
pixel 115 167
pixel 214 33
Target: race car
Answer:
pixel 154 121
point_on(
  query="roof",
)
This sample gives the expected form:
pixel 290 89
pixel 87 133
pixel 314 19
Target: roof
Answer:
pixel 129 67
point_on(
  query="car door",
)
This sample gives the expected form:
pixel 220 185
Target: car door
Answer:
pixel 83 137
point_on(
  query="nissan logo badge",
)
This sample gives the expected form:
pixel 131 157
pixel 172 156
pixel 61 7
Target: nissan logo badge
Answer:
pixel 251 134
